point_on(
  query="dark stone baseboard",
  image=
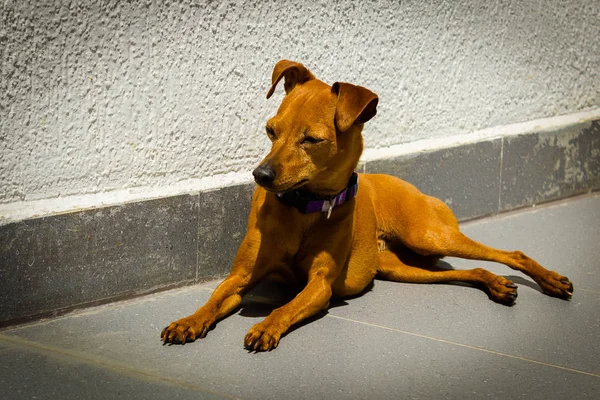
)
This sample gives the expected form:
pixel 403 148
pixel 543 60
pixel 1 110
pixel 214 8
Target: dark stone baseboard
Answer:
pixel 54 264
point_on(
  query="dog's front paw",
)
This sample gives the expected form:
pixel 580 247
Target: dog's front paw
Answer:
pixel 503 291
pixel 263 336
pixel 185 330
pixel 554 284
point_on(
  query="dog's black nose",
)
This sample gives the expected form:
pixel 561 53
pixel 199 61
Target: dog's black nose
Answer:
pixel 263 175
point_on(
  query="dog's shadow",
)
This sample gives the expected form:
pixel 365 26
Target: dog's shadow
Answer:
pixel 269 295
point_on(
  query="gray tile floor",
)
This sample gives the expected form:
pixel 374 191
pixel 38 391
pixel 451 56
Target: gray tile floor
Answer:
pixel 397 341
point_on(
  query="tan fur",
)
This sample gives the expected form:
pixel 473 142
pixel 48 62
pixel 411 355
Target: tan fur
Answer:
pixel 389 230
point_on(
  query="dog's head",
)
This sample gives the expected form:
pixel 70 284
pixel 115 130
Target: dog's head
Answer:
pixel 316 133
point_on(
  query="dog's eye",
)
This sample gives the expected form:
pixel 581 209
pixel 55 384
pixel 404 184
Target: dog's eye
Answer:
pixel 311 140
pixel 270 132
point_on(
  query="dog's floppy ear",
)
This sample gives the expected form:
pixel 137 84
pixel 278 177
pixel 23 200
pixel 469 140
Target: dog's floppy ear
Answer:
pixel 356 105
pixel 294 73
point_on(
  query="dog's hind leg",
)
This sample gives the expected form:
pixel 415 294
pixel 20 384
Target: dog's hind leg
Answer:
pixel 391 267
pixel 449 241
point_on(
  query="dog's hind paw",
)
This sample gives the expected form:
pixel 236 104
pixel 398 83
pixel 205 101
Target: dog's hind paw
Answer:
pixel 554 284
pixel 503 291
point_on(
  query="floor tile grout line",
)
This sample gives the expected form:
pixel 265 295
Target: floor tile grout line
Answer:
pixel 500 177
pixel 588 290
pixel 100 307
pixel 104 363
pixel 464 345
pixel 197 237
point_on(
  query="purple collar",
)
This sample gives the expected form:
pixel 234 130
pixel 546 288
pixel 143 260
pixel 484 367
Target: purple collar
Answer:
pixel 307 202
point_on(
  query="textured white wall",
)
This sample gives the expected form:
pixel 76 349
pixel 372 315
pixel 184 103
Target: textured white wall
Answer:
pixel 104 95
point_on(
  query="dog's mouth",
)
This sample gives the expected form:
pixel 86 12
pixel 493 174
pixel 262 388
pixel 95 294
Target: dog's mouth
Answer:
pixel 286 188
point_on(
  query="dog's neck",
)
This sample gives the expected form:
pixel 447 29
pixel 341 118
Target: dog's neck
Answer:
pixel 328 183
pixel 308 203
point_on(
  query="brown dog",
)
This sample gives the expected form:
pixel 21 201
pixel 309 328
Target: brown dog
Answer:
pixel 310 221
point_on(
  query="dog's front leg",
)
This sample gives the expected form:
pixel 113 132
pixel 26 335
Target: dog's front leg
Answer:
pixel 224 300
pixel 265 335
pixel 323 269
